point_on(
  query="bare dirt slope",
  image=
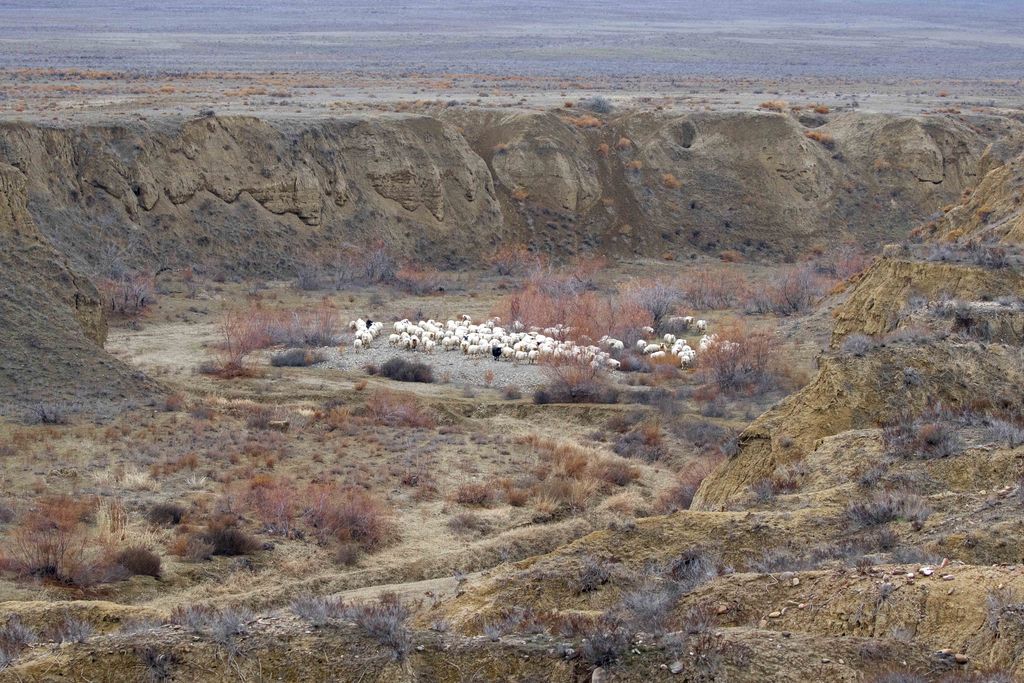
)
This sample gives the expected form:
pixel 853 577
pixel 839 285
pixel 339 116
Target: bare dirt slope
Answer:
pixel 52 324
pixel 262 196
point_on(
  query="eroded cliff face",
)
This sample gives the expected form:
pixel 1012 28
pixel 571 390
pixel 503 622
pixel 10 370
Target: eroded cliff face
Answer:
pixel 652 183
pixel 52 323
pixel 266 197
pixel 254 197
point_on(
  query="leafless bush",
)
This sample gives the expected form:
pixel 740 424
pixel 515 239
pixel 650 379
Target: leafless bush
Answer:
pixel 593 574
pixel 225 538
pixel 933 434
pixel 419 280
pixel 316 327
pixel 795 292
pixel 316 609
pixel 309 278
pixel 165 514
pixel 1006 432
pixel 350 515
pixel 712 288
pixel 605 643
pixel 515 259
pixel 694 567
pixel 73 630
pixel 647 608
pixel 597 104
pixel 1004 612
pixel 857 344
pixel 48 414
pixel 128 294
pixel 242 332
pixel 988 255
pixel 223 626
pixel 474 493
pixel 888 506
pixel 740 359
pixel 14 638
pixel 385 622
pixel 396 410
pixel 50 542
pixel 645 441
pixel 571 381
pixel 511 392
pixel 468 523
pixel 159 665
pixel 658 297
pixel 680 495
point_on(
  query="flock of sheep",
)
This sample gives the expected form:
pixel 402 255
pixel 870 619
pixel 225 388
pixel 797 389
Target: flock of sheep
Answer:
pixel 520 345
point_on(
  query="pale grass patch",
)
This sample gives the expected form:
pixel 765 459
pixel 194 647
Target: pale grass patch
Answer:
pixel 115 527
pixel 130 478
pixel 197 481
pixel 135 479
pixel 627 503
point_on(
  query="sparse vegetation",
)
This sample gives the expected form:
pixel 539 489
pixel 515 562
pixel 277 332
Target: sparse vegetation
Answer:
pixel 403 370
pixel 888 506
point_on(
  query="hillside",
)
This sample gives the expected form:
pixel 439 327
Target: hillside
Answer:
pixel 52 322
pixel 261 196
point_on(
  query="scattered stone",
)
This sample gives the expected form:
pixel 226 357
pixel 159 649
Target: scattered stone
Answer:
pixel 926 571
pixel 676 667
pixel 722 609
pixel 960 658
pixel 948 577
pixel 598 676
pixel 774 615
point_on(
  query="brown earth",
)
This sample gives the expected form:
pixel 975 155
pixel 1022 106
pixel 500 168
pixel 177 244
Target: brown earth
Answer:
pixel 52 323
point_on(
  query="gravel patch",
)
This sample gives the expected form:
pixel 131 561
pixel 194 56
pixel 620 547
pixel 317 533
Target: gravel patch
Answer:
pixel 451 366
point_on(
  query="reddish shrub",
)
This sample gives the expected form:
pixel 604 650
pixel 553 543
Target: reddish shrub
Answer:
pixel 478 494
pixel 50 541
pixel 713 288
pixel 740 359
pixel 396 410
pixel 242 332
pixel 571 381
pixel 419 281
pixel 514 259
pixel 276 504
pixel 349 515
pixel 129 295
